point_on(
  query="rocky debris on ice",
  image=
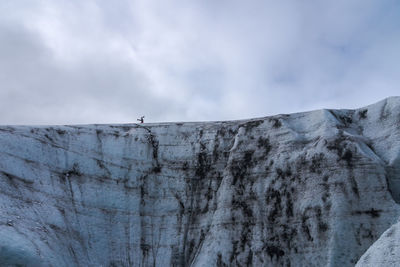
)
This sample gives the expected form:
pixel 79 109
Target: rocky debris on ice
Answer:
pixel 319 188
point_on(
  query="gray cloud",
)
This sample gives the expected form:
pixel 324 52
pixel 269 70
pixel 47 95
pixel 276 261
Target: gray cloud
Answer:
pixel 101 61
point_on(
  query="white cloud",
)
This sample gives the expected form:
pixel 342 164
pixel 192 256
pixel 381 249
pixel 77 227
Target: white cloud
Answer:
pixel 102 61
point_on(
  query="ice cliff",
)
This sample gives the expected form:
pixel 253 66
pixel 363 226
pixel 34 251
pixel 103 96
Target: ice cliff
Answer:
pixel 317 188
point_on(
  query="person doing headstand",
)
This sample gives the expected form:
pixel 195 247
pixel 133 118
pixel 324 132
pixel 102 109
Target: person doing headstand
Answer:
pixel 141 119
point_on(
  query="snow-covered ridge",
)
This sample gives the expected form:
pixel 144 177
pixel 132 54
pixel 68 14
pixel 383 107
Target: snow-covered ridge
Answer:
pixel 306 189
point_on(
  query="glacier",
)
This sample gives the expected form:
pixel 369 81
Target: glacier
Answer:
pixel 318 188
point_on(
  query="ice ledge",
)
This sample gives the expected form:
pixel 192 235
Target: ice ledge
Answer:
pixel 300 189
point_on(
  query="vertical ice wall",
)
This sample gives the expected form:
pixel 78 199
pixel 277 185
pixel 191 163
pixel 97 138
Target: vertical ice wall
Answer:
pixel 306 189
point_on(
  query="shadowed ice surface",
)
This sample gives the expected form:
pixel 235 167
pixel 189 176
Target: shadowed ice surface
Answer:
pixel 306 189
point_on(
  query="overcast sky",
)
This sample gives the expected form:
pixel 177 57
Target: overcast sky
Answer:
pixel 73 61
